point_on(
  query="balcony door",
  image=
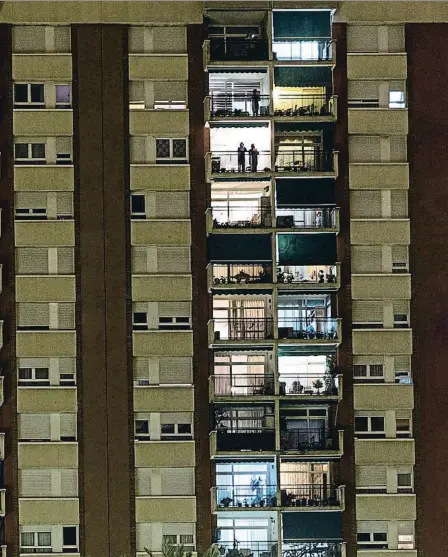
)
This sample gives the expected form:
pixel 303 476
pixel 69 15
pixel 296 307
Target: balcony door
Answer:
pixel 242 375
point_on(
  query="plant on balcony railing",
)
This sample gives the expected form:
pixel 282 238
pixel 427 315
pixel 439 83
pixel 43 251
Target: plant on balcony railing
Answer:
pixel 313 549
pixel 309 495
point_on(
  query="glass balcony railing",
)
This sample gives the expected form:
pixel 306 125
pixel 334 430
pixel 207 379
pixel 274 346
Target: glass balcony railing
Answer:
pixel 243 385
pixel 246 496
pixel 305 49
pixel 244 439
pixel 310 495
pixel 308 385
pixel 304 105
pixel 233 216
pixel 312 549
pixel 238 48
pixel 307 218
pixel 243 328
pixel 314 274
pixel 303 160
pixel 231 161
pixel 241 274
pixel 307 328
pixel 248 549
pixel 224 105
pixel 306 439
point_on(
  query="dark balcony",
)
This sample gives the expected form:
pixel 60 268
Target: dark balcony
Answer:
pixel 244 273
pixel 312 549
pixel 224 105
pixel 243 328
pixel 241 217
pixel 310 495
pixel 238 49
pixel 245 439
pixel 297 106
pixel 228 496
pixel 304 160
pixel 243 385
pixel 307 439
pixel 308 328
pixel 248 549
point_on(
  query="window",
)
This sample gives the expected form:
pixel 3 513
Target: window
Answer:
pixel 63 96
pixel 69 539
pixel 401 321
pixel 64 150
pixel 403 427
pixel 368 373
pixel 187 540
pixel 403 377
pixel 178 323
pixel 175 432
pixel 140 321
pixel 35 542
pixel 369 426
pixel 404 482
pixel 138 206
pixel 396 99
pixel 34 377
pixel 142 430
pixel 172 150
pixel 28 95
pixel 29 153
pixel 374 540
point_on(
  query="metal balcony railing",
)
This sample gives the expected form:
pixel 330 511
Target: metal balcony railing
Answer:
pixel 241 274
pixel 243 328
pixel 308 385
pixel 310 495
pixel 304 160
pixel 233 216
pixel 245 496
pixel 243 385
pixel 224 105
pixel 312 549
pixel 307 218
pixel 231 161
pixel 304 49
pixel 245 439
pixel 307 328
pixel 306 439
pixel 305 105
pixel 314 274
pixel 238 48
pixel 247 549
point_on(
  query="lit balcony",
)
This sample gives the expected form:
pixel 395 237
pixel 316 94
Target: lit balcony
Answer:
pixel 309 497
pixel 321 219
pixel 309 161
pixel 237 276
pixel 313 277
pixel 319 107
pixel 236 106
pixel 311 440
pixel 311 386
pixel 304 50
pixel 241 329
pixel 226 218
pixel 308 329
pixel 228 164
pixel 225 386
pixel 314 549
pixel 243 497
pixel 235 49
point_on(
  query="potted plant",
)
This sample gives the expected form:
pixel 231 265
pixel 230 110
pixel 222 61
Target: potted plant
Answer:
pixel 225 502
pixel 261 502
pixel 246 503
pixel 318 385
pixel 239 504
pixel 330 375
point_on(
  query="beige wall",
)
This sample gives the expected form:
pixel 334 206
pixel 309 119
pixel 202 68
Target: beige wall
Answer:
pixel 164 455
pixel 27 67
pixel 164 509
pixel 45 288
pixel 47 400
pixel 48 511
pixel 164 122
pixel 46 344
pixel 378 121
pixel 383 397
pixel 43 122
pixel 376 232
pixel 44 178
pixel 395 341
pixel 156 343
pixel 147 399
pixel 45 233
pixel 381 287
pixel 160 233
pixel 48 455
pixel 158 177
pixel 158 67
pixel 392 451
pixel 376 66
pixel 161 288
pixel 385 507
pixel 388 176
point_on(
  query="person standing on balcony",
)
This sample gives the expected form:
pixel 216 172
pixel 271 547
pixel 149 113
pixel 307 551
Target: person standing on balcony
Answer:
pixel 255 102
pixel 241 157
pixel 253 158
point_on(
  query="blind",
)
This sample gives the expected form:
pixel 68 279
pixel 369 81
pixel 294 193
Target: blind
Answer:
pixel 144 536
pixel 402 363
pixel 35 483
pixel 396 38
pixel 400 254
pixel 66 316
pixel 64 203
pixel 399 204
pixel 406 528
pixel 143 481
pixel 301 24
pixel 141 368
pixel 365 204
pixel 137 146
pixel 67 365
pixel 139 259
pixel 62 38
pixel 362 38
pixel 68 426
pixel 172 205
pixel 175 417
pixel 366 259
pixel 170 91
pixel 366 360
pixel 173 260
pixel 398 149
pixel 140 307
pixel 169 39
pixel 175 370
pixel 363 89
pixel 369 476
pixel 173 528
pixel 64 145
pixel 177 481
pixel 66 261
pixel 69 482
pixel 136 91
pixel 32 261
pixel 174 309
pixel 31 200
pixel 33 362
pixel 28 38
pixel 401 307
pixel 364 149
pixel 403 414
pixel 33 427
pixel 135 38
pixel 33 315
pixel 374 526
pixel 367 312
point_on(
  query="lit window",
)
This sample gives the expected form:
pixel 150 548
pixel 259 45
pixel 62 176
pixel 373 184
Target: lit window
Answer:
pixel 63 95
pixel 396 99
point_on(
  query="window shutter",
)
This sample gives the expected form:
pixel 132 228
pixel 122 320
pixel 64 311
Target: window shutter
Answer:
pixel 368 360
pixel 374 526
pixel 136 91
pixel 172 205
pixel 399 202
pixel 169 39
pixel 30 261
pixel 400 254
pixel 396 38
pixel 173 260
pixel 31 200
pixel 362 38
pixel 177 481
pixel 401 307
pixel 367 312
pixel 28 38
pixel 33 362
pixel 34 427
pixel 364 149
pixel 143 481
pixel 139 258
pixel 170 91
pixel 33 315
pixel 138 149
pixel 406 528
pixel 66 316
pixel 363 90
pixel 68 426
pixel 367 259
pixel 175 417
pixel 63 145
pixel 403 414
pixel 67 365
pixel 402 363
pixel 144 537
pixel 175 370
pixel 64 202
pixel 174 528
pixel 141 369
pixel 35 483
pixel 371 476
pixel 398 148
pixel 66 263
pixel 365 204
pixel 174 309
pixel 62 38
pixel 69 482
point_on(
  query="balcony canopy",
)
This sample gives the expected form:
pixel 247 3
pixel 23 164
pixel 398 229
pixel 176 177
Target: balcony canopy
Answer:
pixel 301 24
pixel 239 248
pixel 311 526
pixel 306 249
pixel 302 76
pixel 302 192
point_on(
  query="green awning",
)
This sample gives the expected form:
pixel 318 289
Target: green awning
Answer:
pixel 302 192
pixel 303 127
pixel 312 525
pixel 248 124
pixel 301 24
pixel 239 248
pixel 302 76
pixel 307 249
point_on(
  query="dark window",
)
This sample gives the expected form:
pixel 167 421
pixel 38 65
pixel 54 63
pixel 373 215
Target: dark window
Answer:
pixel 69 535
pixel 184 428
pixel 377 424
pixel 38 150
pixel 25 373
pixel 179 149
pixel 361 424
pixel 360 371
pixel 380 537
pixel 21 150
pixel 41 373
pixel 138 204
pixel 21 93
pixel 141 426
pixel 163 148
pixel 37 93
pixel 140 321
pixel 363 537
pixel 167 429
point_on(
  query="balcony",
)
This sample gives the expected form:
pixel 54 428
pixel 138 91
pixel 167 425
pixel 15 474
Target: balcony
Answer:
pixel 235 49
pixel 312 385
pixel 243 497
pixel 300 218
pixel 227 164
pixel 314 549
pixel 243 439
pixel 239 217
pixel 320 108
pixel 312 496
pixel 252 329
pixel 305 161
pixel 247 549
pixel 303 49
pixel 236 276
pixel 224 105
pixel 310 440
pixel 234 386
pixel 325 277
pixel 308 328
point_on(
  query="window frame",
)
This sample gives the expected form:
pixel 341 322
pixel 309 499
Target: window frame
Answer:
pixel 36 547
pixel 176 160
pixel 70 548
pixel 140 326
pixel 176 436
pixel 369 433
pixel 138 214
pixel 372 543
pixel 368 377
pixel 30 159
pixel 142 435
pixel 60 105
pixel 28 103
pixel 33 381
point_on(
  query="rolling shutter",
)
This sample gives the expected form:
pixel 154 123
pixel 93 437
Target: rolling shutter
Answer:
pixel 31 200
pixel 33 427
pixel 139 259
pixel 365 90
pixel 301 24
pixel 137 147
pixel 175 418
pixel 174 309
pixel 68 426
pixel 64 202
pixel 169 39
pixel 32 261
pixel 171 205
pixel 135 39
pixel 62 38
pixel 367 312
pixel 170 91
pixel 362 38
pixel 364 149
pixel 144 537
pixel 371 476
pixel 31 315
pixel 143 481
pixel 306 249
pixel 367 259
pixel 177 481
pixel 174 528
pixel 399 204
pixel 398 148
pixel 373 526
pixel 35 483
pixel 402 363
pixel 365 204
pixel 396 38
pixel 66 316
pixel 28 38
pixel 69 482
pixel 173 260
pixel 66 264
pixel 175 371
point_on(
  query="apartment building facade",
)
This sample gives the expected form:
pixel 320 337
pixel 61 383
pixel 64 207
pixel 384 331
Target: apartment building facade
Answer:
pixel 222 238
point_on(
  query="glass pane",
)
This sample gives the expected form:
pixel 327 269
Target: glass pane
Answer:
pixel 184 428
pixel 41 373
pixel 141 426
pixel 27 539
pixel 25 373
pixel 21 93
pixel 162 148
pixel 361 424
pixel 179 149
pixel 380 537
pixel 377 424
pixel 44 539
pixel 38 150
pixel 21 150
pixel 360 371
pixel 37 93
pixel 363 537
pixel 63 94
pixel 404 480
pixel 167 428
pixel 138 203
pixel 69 535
